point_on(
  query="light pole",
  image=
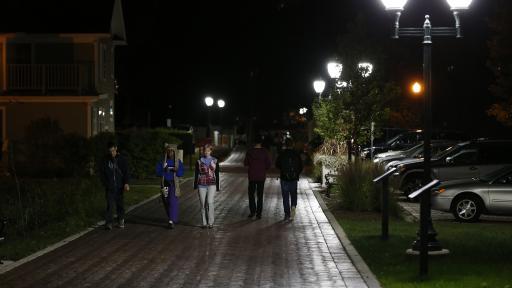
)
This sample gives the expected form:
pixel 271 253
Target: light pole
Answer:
pixel 427 233
pixel 334 69
pixel 209 102
pixel 221 103
pixel 319 86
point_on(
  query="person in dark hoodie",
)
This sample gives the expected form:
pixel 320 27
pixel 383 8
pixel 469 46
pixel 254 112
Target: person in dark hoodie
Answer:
pixel 258 161
pixel 290 165
pixel 114 176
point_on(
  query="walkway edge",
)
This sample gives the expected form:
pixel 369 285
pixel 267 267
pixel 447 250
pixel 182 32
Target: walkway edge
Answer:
pixel 358 261
pixel 67 240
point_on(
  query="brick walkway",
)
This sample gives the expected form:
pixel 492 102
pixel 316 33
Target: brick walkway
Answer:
pixel 238 252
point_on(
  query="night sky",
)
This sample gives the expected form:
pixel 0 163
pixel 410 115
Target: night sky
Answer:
pixel 262 56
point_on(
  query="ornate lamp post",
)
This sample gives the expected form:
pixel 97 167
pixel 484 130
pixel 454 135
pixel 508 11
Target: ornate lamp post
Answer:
pixel 427 233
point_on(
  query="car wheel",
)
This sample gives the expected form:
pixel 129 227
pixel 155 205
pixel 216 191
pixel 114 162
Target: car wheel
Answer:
pixel 411 184
pixel 467 208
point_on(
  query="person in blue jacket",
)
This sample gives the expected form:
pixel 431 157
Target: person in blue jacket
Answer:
pixel 169 168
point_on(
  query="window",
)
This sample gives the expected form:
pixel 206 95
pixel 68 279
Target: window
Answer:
pixel 465 158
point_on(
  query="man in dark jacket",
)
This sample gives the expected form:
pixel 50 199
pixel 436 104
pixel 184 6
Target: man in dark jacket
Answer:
pixel 258 161
pixel 114 176
pixel 290 165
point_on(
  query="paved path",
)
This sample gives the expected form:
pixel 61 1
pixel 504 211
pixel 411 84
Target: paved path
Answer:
pixel 238 252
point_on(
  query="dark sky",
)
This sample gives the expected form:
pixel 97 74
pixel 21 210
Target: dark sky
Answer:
pixel 261 56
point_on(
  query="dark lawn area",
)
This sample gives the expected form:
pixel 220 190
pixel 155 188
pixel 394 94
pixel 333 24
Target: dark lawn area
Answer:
pixel 480 253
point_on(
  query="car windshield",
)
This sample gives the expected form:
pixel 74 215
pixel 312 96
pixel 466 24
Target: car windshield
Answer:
pixel 448 151
pixel 413 150
pixel 495 174
pixel 390 141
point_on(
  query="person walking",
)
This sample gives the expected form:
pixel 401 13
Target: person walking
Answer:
pixel 290 165
pixel 170 168
pixel 207 182
pixel 258 161
pixel 115 178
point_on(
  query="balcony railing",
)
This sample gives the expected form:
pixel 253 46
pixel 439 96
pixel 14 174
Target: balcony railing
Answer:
pixel 51 78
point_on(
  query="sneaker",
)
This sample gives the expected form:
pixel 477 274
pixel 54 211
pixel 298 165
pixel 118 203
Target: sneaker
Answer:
pixel 250 215
pixel 258 217
pixel 210 226
pixel 121 224
pixel 171 225
pixel 203 226
pixel 292 213
pixel 108 226
pixel 286 218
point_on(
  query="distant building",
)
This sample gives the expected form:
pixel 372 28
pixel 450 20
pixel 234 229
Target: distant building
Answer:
pixel 66 76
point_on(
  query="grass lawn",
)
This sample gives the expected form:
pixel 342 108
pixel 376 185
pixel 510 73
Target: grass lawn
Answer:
pixel 480 253
pixel 17 247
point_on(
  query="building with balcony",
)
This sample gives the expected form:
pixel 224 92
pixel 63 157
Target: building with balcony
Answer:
pixel 68 77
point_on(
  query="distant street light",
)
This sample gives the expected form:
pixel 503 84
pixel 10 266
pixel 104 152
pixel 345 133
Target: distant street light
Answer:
pixel 208 101
pixel 303 110
pixel 365 68
pixel 416 88
pixel 319 86
pixel 334 69
pixel 427 235
pixel 221 103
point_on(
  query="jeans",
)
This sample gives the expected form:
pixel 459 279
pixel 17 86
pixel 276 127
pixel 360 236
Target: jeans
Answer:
pixel 253 187
pixel 114 197
pixel 206 196
pixel 289 188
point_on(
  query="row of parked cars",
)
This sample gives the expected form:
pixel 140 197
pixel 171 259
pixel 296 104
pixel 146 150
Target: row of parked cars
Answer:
pixel 476 175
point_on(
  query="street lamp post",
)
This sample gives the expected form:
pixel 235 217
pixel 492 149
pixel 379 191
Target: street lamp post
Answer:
pixel 427 233
pixel 209 102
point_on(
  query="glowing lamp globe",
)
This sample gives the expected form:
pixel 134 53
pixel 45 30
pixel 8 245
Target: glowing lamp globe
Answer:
pixel 208 101
pixel 334 69
pixel 459 4
pixel 394 5
pixel 319 86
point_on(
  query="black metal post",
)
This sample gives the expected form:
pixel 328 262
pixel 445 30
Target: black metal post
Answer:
pixel 208 128
pixel 385 209
pixel 425 198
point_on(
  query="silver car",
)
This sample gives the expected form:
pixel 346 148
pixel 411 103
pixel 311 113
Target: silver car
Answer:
pixel 468 199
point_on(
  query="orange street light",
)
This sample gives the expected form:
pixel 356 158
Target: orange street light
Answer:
pixel 416 88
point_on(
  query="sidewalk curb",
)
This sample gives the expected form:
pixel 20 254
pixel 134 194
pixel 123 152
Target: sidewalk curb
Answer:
pixel 11 265
pixel 358 261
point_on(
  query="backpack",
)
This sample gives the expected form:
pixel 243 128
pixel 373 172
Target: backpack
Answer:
pixel 290 166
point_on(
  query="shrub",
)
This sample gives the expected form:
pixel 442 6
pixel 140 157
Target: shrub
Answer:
pixel 144 148
pixel 44 201
pixel 355 190
pixel 46 151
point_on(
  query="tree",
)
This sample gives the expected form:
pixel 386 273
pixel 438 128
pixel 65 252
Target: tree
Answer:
pixel 348 116
pixel 500 63
pixel 367 96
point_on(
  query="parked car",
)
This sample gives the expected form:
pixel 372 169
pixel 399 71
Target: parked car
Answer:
pixel 410 139
pixel 414 152
pixel 401 141
pixel 468 199
pixel 465 160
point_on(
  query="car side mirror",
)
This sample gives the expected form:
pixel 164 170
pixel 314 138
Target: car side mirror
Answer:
pixel 449 160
